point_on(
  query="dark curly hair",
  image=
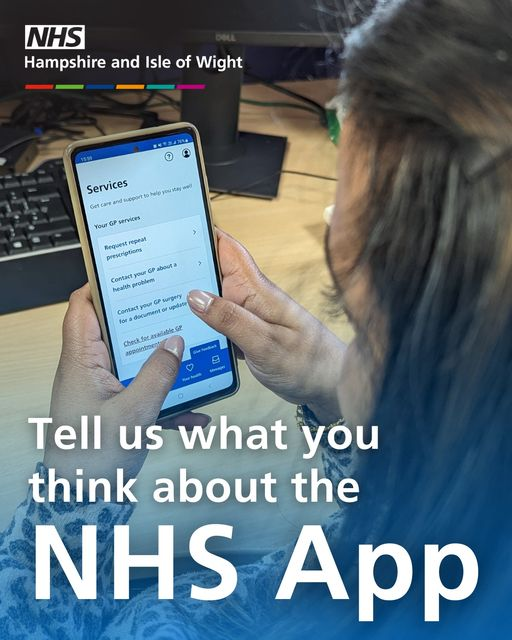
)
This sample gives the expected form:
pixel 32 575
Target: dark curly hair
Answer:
pixel 428 85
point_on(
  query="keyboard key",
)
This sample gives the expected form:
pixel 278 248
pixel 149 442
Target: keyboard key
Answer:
pixel 35 229
pixel 54 210
pixel 6 228
pixel 61 225
pixel 28 182
pixel 43 177
pixel 40 242
pixel 42 226
pixel 66 237
pixel 41 198
pixel 17 246
pixel 16 234
pixel 37 218
pixel 13 182
pixel 42 189
pixel 46 188
pixel 14 194
pixel 17 217
pixel 50 227
pixel 21 226
pixel 20 204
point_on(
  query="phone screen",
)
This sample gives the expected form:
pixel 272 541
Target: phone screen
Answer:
pixel 146 215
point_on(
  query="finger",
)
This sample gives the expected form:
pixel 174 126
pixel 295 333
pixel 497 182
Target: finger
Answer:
pixel 244 283
pixel 235 259
pixel 241 326
pixel 80 318
pixel 146 393
pixel 83 292
pixel 81 332
pixel 188 420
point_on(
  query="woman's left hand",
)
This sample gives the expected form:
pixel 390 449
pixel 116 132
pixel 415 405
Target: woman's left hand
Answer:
pixel 84 385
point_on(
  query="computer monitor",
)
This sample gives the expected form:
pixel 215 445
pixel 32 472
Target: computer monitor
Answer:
pixel 237 161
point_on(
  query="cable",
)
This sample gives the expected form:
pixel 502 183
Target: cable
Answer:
pixel 310 175
pixel 290 105
pixel 291 94
pixel 285 90
pixel 55 115
pixel 235 192
pixel 128 105
pixel 15 143
pixel 172 101
pixel 258 103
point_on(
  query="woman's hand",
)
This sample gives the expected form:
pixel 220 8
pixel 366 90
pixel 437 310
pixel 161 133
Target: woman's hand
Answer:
pixel 85 385
pixel 285 347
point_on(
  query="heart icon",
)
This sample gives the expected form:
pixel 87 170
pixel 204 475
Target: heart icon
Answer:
pixel 189 367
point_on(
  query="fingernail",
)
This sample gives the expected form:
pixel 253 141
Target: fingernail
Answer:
pixel 175 345
pixel 200 300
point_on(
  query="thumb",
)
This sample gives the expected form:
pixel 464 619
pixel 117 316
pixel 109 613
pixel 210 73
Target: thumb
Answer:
pixel 144 397
pixel 241 326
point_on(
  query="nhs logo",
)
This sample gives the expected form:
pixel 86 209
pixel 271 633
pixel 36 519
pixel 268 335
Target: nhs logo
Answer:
pixel 54 36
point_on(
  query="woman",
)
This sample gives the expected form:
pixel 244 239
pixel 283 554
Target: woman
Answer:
pixel 420 250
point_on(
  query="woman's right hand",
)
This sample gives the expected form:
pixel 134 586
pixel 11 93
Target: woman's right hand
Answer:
pixel 286 348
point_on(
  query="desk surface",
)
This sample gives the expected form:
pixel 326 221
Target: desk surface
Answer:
pixel 286 238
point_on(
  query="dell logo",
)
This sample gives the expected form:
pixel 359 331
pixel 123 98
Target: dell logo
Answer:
pixel 54 36
pixel 225 37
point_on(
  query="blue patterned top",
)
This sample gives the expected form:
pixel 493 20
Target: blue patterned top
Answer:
pixel 64 617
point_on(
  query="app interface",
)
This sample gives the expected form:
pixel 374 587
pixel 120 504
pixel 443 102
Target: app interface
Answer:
pixel 147 224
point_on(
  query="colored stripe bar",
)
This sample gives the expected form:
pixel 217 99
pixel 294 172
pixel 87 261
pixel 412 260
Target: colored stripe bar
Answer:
pixel 119 87
pixel 100 87
pixel 122 87
pixel 194 87
pixel 69 86
pixel 39 87
pixel 160 87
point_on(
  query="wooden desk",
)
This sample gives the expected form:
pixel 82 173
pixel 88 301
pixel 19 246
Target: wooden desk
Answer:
pixel 286 238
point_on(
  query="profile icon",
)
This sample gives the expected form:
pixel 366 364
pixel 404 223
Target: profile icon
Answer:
pixel 186 153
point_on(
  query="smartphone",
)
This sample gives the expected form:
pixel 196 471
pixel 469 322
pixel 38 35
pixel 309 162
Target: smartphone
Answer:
pixel 143 216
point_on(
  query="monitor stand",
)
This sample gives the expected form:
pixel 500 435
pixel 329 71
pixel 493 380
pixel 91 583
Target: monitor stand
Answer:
pixel 237 162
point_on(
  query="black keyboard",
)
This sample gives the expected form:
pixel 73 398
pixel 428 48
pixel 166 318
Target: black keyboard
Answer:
pixel 40 256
